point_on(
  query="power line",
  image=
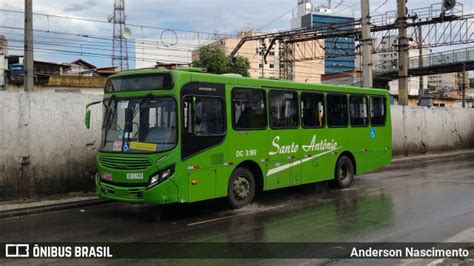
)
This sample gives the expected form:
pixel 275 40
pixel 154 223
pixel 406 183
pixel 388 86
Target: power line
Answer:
pixel 85 47
pixel 88 54
pixel 275 19
pixel 97 37
pixel 377 8
pixel 105 22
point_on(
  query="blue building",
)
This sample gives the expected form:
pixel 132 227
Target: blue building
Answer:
pixel 336 47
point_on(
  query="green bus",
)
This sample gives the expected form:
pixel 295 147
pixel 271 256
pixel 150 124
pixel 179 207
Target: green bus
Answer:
pixel 184 135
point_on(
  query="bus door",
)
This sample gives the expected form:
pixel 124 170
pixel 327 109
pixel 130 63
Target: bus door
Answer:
pixel 203 133
pixel 360 131
pixel 249 137
pixel 378 134
pixel 284 139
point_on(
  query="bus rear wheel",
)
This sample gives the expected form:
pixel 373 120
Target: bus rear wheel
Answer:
pixel 241 188
pixel 344 172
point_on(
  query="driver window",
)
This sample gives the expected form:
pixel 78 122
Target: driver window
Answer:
pixel 208 117
pixel 203 116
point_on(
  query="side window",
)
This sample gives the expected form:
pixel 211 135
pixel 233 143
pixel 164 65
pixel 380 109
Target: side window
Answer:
pixel 208 116
pixel 283 109
pixel 378 110
pixel 248 109
pixel 312 110
pixel 359 110
pixel 337 110
pixel 203 116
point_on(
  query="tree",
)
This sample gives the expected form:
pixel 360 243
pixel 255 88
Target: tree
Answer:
pixel 240 66
pixel 215 61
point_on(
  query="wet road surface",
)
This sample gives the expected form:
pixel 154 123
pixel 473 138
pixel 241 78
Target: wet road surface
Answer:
pixel 419 202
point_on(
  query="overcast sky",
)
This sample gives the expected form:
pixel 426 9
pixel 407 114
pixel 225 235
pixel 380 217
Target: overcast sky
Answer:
pixel 224 16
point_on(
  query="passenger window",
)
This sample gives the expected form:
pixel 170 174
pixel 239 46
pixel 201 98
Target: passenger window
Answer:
pixel 337 110
pixel 378 111
pixel 312 110
pixel 359 111
pixel 283 109
pixel 249 110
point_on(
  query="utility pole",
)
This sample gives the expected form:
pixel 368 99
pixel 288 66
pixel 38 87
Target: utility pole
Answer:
pixel 402 52
pixel 464 85
pixel 420 64
pixel 28 79
pixel 261 51
pixel 366 45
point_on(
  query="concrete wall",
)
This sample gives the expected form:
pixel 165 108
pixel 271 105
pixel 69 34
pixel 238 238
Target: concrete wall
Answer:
pixel 45 148
pixel 420 130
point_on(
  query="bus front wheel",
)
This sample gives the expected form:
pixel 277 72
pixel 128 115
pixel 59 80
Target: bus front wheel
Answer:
pixel 241 189
pixel 344 172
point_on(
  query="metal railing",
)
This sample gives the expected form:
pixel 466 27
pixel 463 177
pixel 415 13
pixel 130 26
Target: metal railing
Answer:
pixel 429 60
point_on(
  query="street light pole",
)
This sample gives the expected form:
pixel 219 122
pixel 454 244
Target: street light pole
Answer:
pixel 28 47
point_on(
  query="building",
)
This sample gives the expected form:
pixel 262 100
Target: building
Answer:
pixel 445 81
pixel 170 48
pixel 339 51
pixel 80 68
pixel 351 77
pixel 305 71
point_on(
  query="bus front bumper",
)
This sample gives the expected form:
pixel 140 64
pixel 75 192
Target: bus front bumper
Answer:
pixel 164 193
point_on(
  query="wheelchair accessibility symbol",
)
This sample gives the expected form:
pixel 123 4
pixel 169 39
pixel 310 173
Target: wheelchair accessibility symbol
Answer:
pixel 126 147
pixel 372 133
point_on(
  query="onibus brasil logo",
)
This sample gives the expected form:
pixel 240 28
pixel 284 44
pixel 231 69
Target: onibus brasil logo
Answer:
pixel 56 251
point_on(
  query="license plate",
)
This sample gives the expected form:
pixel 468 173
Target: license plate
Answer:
pixel 107 176
pixel 135 176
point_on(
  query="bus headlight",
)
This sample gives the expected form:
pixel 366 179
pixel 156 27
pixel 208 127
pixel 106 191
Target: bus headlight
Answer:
pixel 161 176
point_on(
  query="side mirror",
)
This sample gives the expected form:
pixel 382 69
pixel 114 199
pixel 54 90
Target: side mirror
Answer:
pixel 87 119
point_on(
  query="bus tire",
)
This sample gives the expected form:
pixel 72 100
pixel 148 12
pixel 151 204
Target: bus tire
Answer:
pixel 344 172
pixel 241 188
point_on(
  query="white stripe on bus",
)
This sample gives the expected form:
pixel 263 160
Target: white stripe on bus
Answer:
pixel 295 163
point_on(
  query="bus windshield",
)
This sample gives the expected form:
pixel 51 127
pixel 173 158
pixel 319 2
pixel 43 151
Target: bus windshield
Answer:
pixel 139 125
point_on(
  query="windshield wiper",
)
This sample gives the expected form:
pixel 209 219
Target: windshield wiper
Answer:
pixel 109 118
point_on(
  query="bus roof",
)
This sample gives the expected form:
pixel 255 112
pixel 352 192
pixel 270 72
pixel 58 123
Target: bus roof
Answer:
pixel 197 75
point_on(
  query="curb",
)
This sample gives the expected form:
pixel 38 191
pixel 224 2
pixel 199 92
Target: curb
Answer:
pixel 429 157
pixel 50 208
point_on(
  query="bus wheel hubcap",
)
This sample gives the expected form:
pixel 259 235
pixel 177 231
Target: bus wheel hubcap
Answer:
pixel 241 187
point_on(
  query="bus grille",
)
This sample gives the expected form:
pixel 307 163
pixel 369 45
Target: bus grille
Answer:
pixel 124 163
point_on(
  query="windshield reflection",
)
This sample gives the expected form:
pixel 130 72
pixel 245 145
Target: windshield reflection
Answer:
pixel 139 125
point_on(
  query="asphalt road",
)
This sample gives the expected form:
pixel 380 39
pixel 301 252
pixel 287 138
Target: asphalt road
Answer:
pixel 418 202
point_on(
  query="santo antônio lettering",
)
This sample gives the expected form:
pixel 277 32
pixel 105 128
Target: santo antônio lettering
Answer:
pixel 314 145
